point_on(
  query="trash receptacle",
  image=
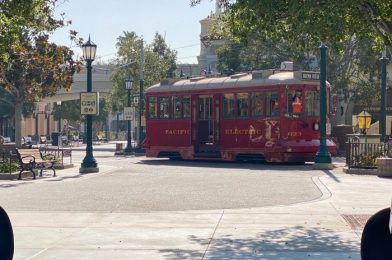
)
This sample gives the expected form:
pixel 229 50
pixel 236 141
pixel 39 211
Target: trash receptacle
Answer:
pixel 55 138
pixel 119 148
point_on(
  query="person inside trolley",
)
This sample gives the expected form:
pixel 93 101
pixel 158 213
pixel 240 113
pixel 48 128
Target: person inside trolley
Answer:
pixel 297 103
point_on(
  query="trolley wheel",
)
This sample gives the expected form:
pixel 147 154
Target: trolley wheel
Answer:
pixel 376 241
pixel 6 236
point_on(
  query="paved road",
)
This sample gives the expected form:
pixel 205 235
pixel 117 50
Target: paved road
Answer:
pixel 138 208
pixel 139 184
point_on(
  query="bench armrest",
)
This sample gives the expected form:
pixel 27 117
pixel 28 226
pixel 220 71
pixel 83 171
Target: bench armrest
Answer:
pixel 27 156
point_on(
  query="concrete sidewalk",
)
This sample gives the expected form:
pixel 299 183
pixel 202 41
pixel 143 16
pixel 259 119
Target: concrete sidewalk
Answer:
pixel 328 227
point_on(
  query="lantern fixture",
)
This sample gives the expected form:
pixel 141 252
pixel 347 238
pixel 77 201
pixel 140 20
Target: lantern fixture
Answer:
pixel 364 120
pixel 89 50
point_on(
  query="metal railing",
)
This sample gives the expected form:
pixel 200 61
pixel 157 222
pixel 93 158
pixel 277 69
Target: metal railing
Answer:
pixel 364 155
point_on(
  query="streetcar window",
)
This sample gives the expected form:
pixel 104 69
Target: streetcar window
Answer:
pixel 164 107
pixel 152 107
pixel 258 104
pixel 272 104
pixel 312 103
pixel 228 105
pixel 294 103
pixel 176 106
pixel 186 107
pixel 242 104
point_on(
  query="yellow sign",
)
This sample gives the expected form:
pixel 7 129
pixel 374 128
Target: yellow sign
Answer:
pixel 89 103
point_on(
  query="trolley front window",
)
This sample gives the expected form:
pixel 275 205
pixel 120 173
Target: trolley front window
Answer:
pixel 152 107
pixel 312 103
pixel 164 107
pixel 294 103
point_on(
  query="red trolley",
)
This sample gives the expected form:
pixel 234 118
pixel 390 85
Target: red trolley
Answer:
pixel 264 115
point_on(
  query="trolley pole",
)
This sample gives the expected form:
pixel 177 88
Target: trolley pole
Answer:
pixel 384 62
pixel 323 157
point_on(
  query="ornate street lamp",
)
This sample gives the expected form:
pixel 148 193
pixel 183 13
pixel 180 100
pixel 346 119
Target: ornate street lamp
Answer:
pixel 89 163
pixel 364 121
pixel 128 87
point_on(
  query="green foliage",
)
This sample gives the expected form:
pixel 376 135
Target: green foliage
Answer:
pixel 367 160
pixel 31 67
pixel 69 110
pixel 6 167
pixel 307 23
pixel 159 63
pixel 261 33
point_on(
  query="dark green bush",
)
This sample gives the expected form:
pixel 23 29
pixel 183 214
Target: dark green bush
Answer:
pixel 5 167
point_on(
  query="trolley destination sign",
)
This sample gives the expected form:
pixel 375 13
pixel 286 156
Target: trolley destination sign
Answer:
pixel 89 103
pixel 311 75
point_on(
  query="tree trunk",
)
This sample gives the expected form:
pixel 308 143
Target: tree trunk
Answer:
pixel 18 122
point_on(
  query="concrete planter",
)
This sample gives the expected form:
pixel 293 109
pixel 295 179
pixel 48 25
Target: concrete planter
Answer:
pixel 384 167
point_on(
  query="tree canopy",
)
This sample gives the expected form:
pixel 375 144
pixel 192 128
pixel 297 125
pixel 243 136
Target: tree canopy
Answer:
pixel 31 67
pixel 307 23
pixel 159 63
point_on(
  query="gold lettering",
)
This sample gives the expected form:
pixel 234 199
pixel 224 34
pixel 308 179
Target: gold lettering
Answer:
pixel 177 132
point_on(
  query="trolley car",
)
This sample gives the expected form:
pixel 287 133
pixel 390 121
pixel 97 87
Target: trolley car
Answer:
pixel 269 115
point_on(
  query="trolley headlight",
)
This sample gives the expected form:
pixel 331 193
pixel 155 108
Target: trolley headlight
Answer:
pixel 316 126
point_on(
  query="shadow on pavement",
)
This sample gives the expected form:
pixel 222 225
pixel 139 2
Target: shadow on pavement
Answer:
pixel 331 175
pixel 295 239
pixel 64 178
pixel 19 183
pixel 231 165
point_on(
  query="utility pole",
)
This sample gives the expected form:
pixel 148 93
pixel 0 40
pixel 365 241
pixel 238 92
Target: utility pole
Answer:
pixel 384 62
pixel 141 103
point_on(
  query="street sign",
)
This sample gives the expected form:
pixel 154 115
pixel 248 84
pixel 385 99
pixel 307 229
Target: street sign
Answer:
pixel 89 103
pixel 128 113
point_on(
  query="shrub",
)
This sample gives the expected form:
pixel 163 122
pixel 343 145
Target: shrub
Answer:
pixel 5 167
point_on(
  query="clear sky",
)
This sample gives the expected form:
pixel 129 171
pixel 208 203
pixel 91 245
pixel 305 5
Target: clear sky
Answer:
pixel 106 20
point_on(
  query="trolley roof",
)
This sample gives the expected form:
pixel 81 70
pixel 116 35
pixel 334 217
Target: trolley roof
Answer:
pixel 256 78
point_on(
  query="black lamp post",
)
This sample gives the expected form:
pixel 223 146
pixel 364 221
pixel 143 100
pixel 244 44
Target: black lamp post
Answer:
pixel 59 111
pixel 48 111
pixel 384 62
pixel 35 114
pixel 323 158
pixel 89 163
pixel 128 86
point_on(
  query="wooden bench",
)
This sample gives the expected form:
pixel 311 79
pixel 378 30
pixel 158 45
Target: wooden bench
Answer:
pixel 31 159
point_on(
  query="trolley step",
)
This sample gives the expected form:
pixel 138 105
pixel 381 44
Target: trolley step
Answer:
pixel 207 155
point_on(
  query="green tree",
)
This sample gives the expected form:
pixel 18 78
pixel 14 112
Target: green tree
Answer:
pixel 31 67
pixel 355 31
pixel 307 23
pixel 69 110
pixel 159 63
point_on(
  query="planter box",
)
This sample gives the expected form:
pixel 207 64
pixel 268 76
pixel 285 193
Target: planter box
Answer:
pixel 384 167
